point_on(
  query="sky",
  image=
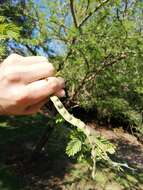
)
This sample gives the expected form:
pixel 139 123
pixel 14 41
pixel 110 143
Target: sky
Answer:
pixel 55 46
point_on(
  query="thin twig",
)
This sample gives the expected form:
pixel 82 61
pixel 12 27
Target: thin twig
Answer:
pixel 92 12
pixel 73 13
pixel 90 76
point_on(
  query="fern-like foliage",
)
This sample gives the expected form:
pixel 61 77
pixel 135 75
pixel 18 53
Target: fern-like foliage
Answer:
pixel 8 31
pixel 73 147
pixel 79 145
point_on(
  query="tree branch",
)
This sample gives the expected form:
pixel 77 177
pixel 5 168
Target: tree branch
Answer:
pixel 87 7
pixel 90 76
pixel 73 41
pixel 61 65
pixel 73 13
pixel 125 8
pixel 31 50
pixel 106 65
pixel 91 13
pixel 84 57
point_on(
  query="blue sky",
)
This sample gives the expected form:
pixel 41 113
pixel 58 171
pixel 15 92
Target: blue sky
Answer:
pixel 55 46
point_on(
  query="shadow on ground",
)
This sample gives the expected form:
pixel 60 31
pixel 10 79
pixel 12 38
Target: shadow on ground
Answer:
pixel 51 169
pixel 17 170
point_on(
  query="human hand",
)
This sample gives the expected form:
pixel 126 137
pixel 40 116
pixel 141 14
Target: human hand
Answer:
pixel 23 88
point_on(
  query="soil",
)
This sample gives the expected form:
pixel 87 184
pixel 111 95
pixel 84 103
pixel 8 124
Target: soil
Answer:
pixel 49 169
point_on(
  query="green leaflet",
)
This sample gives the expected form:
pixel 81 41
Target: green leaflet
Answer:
pixel 73 147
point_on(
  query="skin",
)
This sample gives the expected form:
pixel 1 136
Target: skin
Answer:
pixel 26 83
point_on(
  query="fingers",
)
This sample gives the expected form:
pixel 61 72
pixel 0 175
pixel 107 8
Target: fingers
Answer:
pixel 15 59
pixel 43 88
pixel 27 69
pixel 30 73
pixel 34 108
pixel 34 60
pixel 34 72
pixel 60 93
pixel 12 59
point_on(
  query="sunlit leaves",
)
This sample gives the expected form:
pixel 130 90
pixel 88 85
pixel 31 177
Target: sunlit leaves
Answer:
pixel 8 30
pixel 73 147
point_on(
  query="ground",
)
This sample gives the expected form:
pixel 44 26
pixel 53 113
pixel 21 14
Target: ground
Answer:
pixel 52 169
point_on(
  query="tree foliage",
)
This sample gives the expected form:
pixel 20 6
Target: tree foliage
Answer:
pixel 103 62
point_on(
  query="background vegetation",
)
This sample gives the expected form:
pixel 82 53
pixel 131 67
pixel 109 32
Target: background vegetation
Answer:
pixel 97 47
